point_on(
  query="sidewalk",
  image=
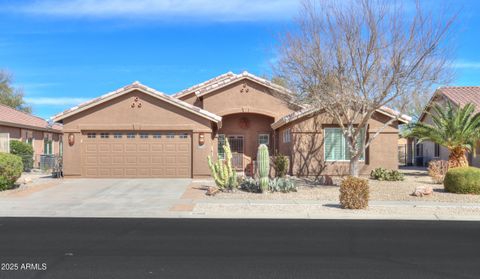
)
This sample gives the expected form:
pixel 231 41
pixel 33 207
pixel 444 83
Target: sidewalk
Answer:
pixel 315 209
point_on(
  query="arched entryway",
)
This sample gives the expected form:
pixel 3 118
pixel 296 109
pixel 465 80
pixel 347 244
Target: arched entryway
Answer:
pixel 245 132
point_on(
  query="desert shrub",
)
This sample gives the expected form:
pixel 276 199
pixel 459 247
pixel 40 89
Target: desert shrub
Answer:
pixel 25 151
pixel 464 180
pixel 280 164
pixel 383 174
pixel 437 169
pixel 282 184
pixel 11 168
pixel 249 184
pixel 354 193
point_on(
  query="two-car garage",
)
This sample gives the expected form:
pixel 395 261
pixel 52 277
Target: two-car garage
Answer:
pixel 137 132
pixel 125 154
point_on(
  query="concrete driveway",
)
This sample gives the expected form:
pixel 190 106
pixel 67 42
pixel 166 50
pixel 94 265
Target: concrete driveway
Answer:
pixel 97 198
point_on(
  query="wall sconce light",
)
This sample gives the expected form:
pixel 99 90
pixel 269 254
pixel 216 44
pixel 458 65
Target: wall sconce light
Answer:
pixel 201 139
pixel 71 139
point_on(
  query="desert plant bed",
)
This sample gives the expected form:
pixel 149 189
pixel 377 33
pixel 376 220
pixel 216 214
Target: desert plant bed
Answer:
pixel 379 191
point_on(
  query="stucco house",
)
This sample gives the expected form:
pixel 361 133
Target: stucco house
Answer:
pixel 421 153
pixel 45 139
pixel 137 131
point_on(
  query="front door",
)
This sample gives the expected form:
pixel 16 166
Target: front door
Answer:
pixel 237 147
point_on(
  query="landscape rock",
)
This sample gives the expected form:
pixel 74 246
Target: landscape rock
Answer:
pixel 27 180
pixel 421 191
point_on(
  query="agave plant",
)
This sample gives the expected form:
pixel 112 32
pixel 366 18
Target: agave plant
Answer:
pixel 456 128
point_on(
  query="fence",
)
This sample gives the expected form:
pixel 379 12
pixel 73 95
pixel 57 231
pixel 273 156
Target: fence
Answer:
pixel 5 142
pixel 402 154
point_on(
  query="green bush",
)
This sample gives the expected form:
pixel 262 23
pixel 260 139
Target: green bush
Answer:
pixel 383 174
pixel 280 164
pixel 25 151
pixel 282 184
pixel 249 184
pixel 464 180
pixel 11 167
pixel 354 193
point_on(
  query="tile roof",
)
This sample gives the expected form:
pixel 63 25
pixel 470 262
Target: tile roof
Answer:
pixel 137 86
pixel 204 84
pixel 311 110
pixel 15 117
pixel 226 79
pixel 462 95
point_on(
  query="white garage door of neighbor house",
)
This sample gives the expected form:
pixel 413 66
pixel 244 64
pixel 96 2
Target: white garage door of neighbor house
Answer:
pixel 133 154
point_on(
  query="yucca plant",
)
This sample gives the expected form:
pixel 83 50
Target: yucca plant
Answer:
pixel 456 128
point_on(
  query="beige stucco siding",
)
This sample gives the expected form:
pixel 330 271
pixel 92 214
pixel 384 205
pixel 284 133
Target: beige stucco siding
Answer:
pixel 306 149
pixel 147 114
pixel 245 96
pixel 18 133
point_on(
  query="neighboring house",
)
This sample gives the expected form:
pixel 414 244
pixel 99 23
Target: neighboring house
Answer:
pixel 44 138
pixel 137 131
pixel 420 154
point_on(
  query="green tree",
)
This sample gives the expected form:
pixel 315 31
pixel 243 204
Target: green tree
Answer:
pixel 11 96
pixel 456 128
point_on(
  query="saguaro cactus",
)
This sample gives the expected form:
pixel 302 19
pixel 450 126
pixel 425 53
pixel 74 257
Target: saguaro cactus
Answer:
pixel 223 174
pixel 263 163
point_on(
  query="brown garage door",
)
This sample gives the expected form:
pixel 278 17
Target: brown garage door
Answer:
pixel 137 154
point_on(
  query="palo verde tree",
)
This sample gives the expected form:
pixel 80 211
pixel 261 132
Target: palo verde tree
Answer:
pixel 352 58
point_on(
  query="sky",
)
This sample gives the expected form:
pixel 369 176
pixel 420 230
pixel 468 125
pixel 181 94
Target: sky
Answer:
pixel 64 52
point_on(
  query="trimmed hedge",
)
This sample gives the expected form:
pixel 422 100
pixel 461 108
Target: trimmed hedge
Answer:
pixel 25 151
pixel 464 180
pixel 11 168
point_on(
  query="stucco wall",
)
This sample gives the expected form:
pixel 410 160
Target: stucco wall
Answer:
pixel 231 99
pixel 306 149
pixel 154 114
pixel 257 124
pixel 17 133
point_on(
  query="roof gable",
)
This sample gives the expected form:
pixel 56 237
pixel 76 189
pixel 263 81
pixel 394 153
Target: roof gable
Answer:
pixel 227 79
pixel 142 88
pixel 458 95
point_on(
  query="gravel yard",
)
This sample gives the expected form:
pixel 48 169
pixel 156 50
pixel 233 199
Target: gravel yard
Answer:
pixel 379 191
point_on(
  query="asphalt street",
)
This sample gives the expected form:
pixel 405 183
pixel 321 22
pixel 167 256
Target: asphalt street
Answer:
pixel 220 248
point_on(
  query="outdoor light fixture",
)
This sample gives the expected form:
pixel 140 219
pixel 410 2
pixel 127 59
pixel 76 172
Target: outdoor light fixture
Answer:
pixel 201 139
pixel 71 139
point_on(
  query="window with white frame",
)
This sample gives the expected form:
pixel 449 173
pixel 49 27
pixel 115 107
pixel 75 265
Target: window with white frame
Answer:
pixel 47 146
pixel 287 135
pixel 117 135
pixel 91 135
pixel 264 139
pixel 336 147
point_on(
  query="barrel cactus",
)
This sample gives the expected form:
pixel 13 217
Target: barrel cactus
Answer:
pixel 263 164
pixel 223 174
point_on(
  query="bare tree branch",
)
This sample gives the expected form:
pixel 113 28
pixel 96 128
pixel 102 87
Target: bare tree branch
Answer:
pixel 352 58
